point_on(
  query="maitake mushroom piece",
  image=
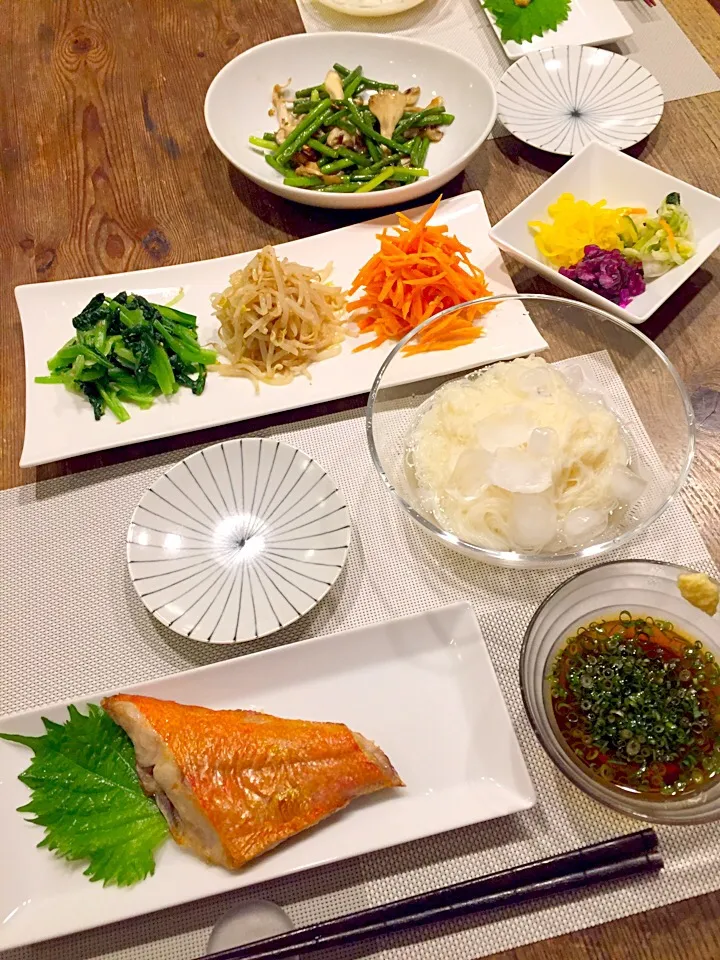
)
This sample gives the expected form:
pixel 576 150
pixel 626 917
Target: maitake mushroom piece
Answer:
pixel 333 85
pixel 343 138
pixel 388 106
pixel 287 121
pixel 412 95
pixel 311 169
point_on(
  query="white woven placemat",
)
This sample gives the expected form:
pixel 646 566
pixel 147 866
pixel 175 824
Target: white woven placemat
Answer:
pixel 72 625
pixel 657 42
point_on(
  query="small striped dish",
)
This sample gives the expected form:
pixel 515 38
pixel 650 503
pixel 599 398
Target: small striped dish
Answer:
pixel 237 541
pixel 562 98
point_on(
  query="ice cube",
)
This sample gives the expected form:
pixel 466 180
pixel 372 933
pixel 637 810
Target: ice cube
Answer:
pixel 626 485
pixel 538 381
pixel 594 395
pixel 533 521
pixel 589 389
pixel 470 475
pixel 583 524
pixel 518 471
pixel 544 442
pixel 584 385
pixel 575 376
pixel 507 428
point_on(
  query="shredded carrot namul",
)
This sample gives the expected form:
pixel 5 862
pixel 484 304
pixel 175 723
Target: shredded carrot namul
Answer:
pixel 419 272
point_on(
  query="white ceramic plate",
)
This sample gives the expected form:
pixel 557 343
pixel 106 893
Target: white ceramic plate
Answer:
pixel 238 540
pixel 371 8
pixel 589 22
pixel 562 98
pixel 380 681
pixel 59 424
pixel 599 172
pixel 305 59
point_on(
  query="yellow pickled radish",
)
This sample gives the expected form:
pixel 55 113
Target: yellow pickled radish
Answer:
pixel 574 225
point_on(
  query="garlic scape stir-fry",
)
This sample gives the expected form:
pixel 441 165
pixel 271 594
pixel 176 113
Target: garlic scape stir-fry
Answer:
pixel 351 134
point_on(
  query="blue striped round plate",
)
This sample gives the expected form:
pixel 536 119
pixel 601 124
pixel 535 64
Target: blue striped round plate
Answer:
pixel 562 98
pixel 237 541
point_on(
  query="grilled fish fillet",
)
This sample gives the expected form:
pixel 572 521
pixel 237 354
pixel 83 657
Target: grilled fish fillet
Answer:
pixel 232 784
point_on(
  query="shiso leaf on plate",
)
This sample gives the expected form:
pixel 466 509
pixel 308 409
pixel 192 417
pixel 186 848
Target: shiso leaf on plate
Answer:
pixel 518 22
pixel 87 796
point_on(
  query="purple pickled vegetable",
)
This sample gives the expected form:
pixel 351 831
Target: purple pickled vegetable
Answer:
pixel 608 273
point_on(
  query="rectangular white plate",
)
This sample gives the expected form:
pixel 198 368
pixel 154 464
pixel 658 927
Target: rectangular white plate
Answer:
pixel 59 424
pixel 589 22
pixel 423 688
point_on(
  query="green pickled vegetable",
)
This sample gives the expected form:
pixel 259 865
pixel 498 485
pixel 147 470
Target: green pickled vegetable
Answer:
pixel 660 242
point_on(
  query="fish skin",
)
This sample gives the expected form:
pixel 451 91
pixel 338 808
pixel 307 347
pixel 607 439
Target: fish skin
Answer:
pixel 255 779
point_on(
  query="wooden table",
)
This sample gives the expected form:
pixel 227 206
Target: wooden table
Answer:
pixel 107 166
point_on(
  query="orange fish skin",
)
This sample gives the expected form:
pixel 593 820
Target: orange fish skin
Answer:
pixel 259 779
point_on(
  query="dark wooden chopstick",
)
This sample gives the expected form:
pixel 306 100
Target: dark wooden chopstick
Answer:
pixel 635 853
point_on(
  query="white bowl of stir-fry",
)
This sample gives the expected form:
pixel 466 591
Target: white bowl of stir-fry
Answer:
pixel 350 121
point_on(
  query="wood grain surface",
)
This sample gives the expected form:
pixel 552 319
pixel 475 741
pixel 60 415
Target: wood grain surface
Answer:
pixel 106 166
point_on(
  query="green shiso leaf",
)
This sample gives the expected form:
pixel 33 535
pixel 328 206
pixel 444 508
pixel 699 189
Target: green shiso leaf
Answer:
pixel 523 23
pixel 87 796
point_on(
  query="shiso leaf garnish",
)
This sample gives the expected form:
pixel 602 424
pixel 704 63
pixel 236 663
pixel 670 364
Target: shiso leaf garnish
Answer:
pixel 87 796
pixel 520 23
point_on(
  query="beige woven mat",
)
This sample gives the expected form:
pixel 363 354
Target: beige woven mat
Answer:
pixel 72 625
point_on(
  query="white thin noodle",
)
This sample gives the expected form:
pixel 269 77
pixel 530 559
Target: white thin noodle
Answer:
pixel 277 318
pixel 590 441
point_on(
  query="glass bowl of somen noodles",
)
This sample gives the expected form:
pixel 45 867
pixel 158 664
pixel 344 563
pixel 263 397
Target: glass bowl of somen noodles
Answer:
pixel 536 461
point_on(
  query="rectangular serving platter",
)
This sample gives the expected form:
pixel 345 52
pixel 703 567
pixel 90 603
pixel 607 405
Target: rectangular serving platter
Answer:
pixel 423 688
pixel 59 424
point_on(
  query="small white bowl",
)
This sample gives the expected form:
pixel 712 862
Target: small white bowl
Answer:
pixel 238 100
pixel 602 173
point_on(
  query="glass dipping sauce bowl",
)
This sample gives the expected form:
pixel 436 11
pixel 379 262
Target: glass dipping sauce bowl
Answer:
pixel 661 414
pixel 644 587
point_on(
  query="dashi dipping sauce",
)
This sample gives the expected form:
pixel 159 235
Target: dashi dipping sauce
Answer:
pixel 638 705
